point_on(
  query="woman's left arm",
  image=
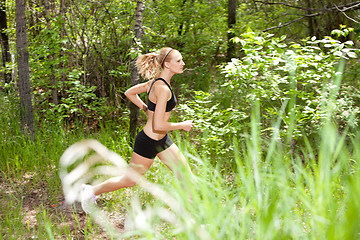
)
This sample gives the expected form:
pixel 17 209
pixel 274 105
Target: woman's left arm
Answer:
pixel 133 95
pixel 159 123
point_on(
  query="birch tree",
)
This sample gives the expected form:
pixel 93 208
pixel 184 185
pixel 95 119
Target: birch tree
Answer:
pixel 134 78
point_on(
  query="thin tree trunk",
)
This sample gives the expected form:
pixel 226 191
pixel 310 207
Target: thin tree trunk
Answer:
pixel 53 81
pixel 26 110
pixel 310 19
pixel 33 18
pixel 231 23
pixel 134 78
pixel 181 27
pixel 4 41
pixel 63 7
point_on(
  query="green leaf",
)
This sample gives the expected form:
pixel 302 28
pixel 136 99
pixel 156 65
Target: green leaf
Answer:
pixel 352 54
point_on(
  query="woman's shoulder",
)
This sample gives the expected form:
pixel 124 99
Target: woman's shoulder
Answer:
pixel 160 88
pixel 160 84
pixel 152 85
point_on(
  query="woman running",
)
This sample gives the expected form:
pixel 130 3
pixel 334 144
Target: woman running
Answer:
pixel 153 140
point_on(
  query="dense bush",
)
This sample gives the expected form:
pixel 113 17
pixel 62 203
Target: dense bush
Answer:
pixel 273 72
pixel 291 81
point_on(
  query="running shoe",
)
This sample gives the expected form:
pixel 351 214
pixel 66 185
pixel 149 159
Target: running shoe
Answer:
pixel 88 198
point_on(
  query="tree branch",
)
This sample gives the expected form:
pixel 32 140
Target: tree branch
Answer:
pixel 345 7
pixel 295 20
pixel 343 12
pixel 281 3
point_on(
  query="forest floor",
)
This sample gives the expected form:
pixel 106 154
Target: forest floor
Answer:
pixel 37 200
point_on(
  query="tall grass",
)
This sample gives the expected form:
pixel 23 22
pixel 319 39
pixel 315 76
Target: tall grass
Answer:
pixel 267 195
pixel 309 196
pixel 31 203
pixel 271 191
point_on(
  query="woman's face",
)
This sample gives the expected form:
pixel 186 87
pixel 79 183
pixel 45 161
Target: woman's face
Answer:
pixel 176 63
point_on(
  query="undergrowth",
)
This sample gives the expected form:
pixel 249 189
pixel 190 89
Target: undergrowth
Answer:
pixel 269 191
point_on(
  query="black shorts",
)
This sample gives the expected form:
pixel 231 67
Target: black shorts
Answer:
pixel 148 147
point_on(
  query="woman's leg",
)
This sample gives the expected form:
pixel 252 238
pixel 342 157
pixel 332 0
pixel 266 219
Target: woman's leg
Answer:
pixel 137 163
pixel 174 159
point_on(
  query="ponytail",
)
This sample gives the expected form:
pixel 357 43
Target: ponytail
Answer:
pixel 150 64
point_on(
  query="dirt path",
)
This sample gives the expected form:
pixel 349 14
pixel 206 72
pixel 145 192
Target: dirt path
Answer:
pixel 35 202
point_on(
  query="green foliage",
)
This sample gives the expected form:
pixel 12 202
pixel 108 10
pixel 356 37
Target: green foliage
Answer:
pixel 342 32
pixel 279 91
pixel 196 28
pixel 91 41
pixel 216 125
pixel 267 194
pixel 296 19
pixel 298 76
pixel 79 100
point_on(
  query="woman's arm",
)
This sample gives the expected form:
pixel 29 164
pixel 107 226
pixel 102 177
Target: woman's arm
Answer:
pixel 159 123
pixel 133 95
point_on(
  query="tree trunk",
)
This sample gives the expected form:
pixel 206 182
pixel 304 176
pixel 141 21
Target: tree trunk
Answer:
pixel 134 78
pixel 4 41
pixel 54 89
pixel 62 10
pixel 310 19
pixel 231 23
pixel 26 110
pixel 34 17
pixel 53 81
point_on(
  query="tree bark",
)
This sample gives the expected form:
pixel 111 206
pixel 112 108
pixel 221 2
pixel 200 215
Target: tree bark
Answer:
pixel 53 81
pixel 6 58
pixel 26 109
pixel 231 23
pixel 62 10
pixel 310 19
pixel 134 77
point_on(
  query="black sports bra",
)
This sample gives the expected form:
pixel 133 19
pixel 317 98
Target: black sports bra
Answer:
pixel 171 103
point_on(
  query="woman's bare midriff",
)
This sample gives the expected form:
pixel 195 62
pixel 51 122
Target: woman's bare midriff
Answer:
pixel 148 128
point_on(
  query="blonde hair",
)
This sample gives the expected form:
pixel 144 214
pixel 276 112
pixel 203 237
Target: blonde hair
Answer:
pixel 149 65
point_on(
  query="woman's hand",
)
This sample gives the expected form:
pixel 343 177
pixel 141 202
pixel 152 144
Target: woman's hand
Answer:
pixel 187 125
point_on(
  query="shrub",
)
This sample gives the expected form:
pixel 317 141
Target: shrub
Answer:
pixel 298 76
